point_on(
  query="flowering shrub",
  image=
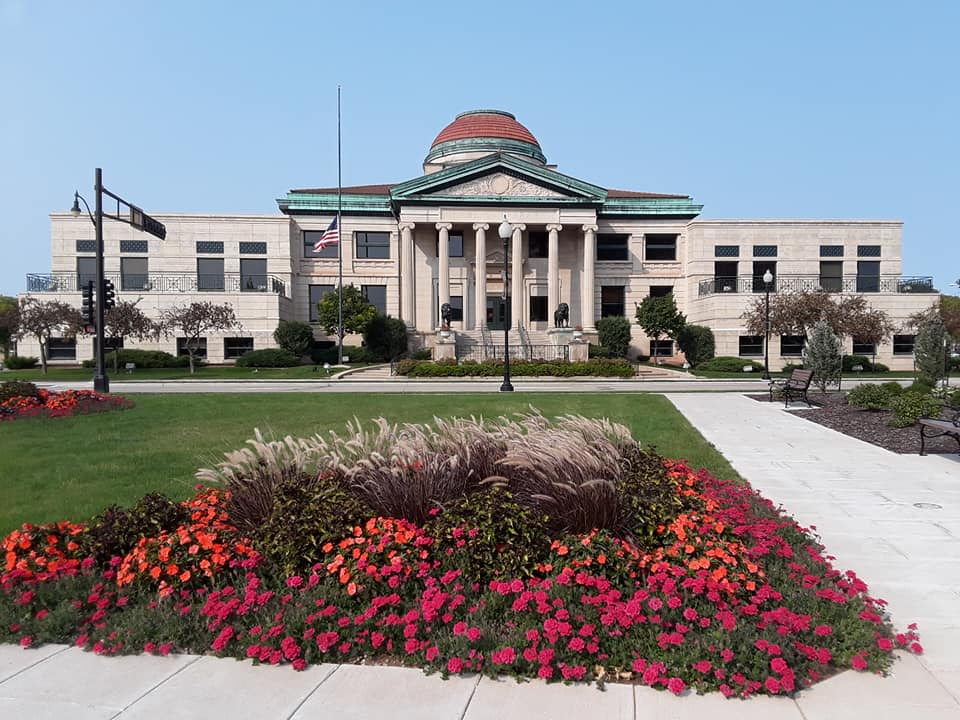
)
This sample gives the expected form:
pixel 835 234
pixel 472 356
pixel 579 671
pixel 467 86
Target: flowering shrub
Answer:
pixel 47 403
pixel 733 597
pixel 190 555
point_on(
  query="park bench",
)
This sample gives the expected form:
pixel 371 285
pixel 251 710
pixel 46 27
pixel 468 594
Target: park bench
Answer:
pixel 931 428
pixel 795 386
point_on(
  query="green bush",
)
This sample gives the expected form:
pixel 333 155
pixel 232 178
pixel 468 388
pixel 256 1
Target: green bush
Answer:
pixel 880 368
pixel 729 364
pixel 614 334
pixel 306 516
pixel 144 359
pixel 115 531
pixel 790 367
pixel 492 536
pixel 294 336
pixel 910 406
pixel 21 362
pixel 953 397
pixel 921 386
pixel 892 388
pixel 423 354
pixel 599 351
pixel 697 344
pixel 17 388
pixel 385 338
pixel 866 365
pixel 592 368
pixel 268 358
pixel 868 397
pixel 329 354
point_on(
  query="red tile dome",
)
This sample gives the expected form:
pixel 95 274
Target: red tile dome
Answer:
pixel 485 131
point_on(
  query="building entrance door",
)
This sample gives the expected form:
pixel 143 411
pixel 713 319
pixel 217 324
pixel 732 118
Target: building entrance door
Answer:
pixel 498 312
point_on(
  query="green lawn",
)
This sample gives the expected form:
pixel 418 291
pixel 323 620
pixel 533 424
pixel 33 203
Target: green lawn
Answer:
pixel 73 467
pixel 213 372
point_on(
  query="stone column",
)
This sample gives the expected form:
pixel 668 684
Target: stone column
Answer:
pixel 408 311
pixel 480 284
pixel 516 293
pixel 553 269
pixel 587 298
pixel 443 271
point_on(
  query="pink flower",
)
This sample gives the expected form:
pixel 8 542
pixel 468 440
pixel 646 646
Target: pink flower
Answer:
pixel 545 672
pixel 676 685
pixel 460 628
pixel 823 630
pixel 859 662
pixel 473 634
pixel 916 648
pixel 884 643
pixel 26 641
pixel 704 666
pixel 299 664
pixel 432 653
pixel 294 581
pixel 778 665
pixel 772 685
pixel 454 665
pixel 165 649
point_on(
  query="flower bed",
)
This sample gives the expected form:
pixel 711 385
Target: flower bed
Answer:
pixel 724 593
pixel 47 403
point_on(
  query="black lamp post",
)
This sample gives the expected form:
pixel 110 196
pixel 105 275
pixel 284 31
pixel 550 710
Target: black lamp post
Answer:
pixel 767 281
pixel 131 215
pixel 506 230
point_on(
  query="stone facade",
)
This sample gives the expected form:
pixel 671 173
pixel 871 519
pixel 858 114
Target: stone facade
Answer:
pixel 434 239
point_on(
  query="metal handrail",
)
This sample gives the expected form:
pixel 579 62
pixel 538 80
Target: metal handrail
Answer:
pixel 161 282
pixel 811 283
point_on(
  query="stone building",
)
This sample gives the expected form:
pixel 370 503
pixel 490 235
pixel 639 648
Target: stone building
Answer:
pixel 416 245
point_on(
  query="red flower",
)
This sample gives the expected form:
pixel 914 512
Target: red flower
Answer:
pixel 676 685
pixel 454 665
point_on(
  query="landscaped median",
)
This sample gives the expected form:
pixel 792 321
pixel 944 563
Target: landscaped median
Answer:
pixel 554 549
pixel 518 368
pixel 24 399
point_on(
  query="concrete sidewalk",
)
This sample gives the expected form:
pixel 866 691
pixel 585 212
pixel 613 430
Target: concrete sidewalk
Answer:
pixel 894 519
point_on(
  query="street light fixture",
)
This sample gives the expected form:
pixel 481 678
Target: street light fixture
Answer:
pixel 767 281
pixel 505 231
pixel 133 216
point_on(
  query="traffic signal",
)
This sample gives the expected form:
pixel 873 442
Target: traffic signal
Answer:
pixel 108 295
pixel 87 309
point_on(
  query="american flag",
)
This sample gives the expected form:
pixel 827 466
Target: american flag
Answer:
pixel 331 236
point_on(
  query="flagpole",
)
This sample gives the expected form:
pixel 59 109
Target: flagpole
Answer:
pixel 339 244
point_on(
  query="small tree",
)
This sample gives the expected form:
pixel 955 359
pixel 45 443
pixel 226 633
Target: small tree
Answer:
pixel 928 350
pixel 697 343
pixel 660 316
pixel 195 320
pixel 823 355
pixel 357 312
pixel 294 336
pixel 42 319
pixel 614 334
pixel 125 320
pixel 386 337
pixel 9 317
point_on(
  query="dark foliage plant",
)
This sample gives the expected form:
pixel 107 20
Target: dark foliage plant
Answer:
pixel 697 343
pixel 143 359
pixel 21 362
pixel 385 338
pixel 17 388
pixel 910 406
pixel 613 332
pixel 595 368
pixel 294 336
pixel 116 530
pixel 869 397
pixel 729 364
pixel 268 358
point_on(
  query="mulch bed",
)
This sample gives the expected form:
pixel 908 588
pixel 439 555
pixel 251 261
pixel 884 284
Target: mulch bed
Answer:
pixel 832 411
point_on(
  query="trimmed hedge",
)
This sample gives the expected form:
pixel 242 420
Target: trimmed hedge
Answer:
pixel 21 362
pixel 492 368
pixel 144 359
pixel 614 334
pixel 697 343
pixel 268 358
pixel 329 354
pixel 729 364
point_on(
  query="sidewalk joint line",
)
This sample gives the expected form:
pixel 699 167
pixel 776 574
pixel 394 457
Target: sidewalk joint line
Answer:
pixel 162 682
pixel 470 698
pixel 310 694
pixel 38 662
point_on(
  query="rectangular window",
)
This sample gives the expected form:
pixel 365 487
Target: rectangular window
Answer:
pixel 660 290
pixel 791 345
pixel 86 246
pixel 538 308
pixel 903 344
pixel 234 347
pixel 868 251
pixel 86 271
pixel 133 274
pixel 831 275
pixel 253 248
pixel 661 348
pixel 725 276
pixel 538 243
pixel 134 246
pixel 661 247
pixel 200 346
pixel 454 244
pixel 210 274
pixel 868 276
pixel 751 345
pixel 764 250
pixel 253 275
pixel 613 247
pixel 372 245
pixel 310 238
pixel 862 347
pixel 612 301
pixel 59 348
pixel 831 251
pixel 207 247
pixel 376 295
pixel 759 268
pixel 316 295
pixel 726 251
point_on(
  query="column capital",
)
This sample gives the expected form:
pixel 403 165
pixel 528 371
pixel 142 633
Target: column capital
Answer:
pixel 519 227
pixel 554 227
pixel 406 226
pixel 481 226
pixel 589 228
pixel 444 226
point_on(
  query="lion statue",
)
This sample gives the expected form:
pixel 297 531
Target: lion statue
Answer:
pixel 561 317
pixel 446 314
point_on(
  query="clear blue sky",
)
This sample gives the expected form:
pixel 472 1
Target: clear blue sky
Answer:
pixel 766 109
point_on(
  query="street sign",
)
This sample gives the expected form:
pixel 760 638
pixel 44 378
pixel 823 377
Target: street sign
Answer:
pixel 140 220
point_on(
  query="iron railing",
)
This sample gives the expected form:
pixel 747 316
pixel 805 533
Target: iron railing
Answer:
pixel 161 282
pixel 799 283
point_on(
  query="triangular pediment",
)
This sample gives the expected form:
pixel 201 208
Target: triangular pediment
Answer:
pixel 497 178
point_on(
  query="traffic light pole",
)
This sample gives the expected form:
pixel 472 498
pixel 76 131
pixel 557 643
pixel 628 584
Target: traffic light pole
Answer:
pixel 101 383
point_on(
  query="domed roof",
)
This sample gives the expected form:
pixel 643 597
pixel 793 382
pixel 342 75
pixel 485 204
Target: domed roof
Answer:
pixel 485 131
